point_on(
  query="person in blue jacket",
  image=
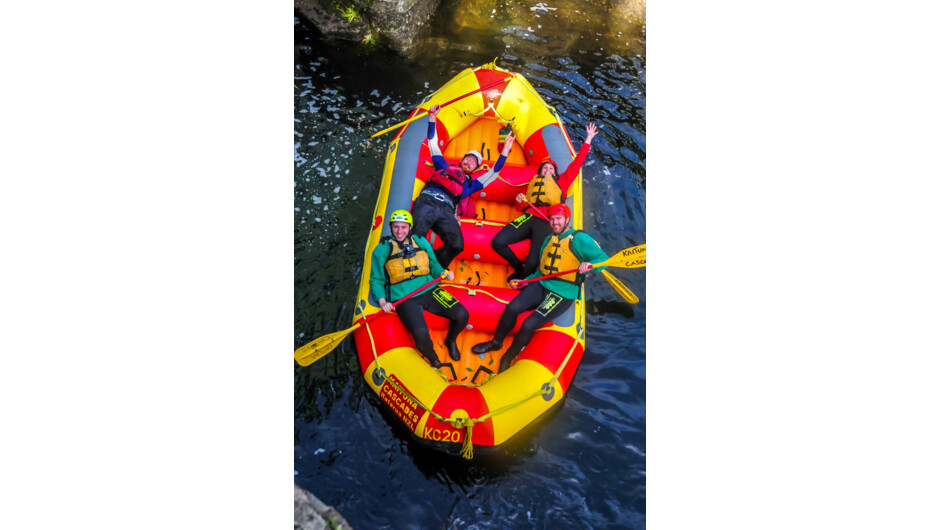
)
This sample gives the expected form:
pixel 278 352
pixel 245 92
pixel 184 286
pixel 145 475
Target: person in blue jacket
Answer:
pixel 436 207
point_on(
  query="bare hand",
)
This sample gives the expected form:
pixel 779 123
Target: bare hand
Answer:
pixel 520 197
pixel 434 110
pixel 584 266
pixel 508 145
pixel 591 131
pixel 449 276
pixel 514 284
pixel 383 303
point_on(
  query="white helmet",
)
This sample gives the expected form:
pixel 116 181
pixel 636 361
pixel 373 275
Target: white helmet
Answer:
pixel 476 154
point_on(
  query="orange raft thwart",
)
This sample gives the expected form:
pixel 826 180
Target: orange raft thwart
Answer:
pixel 468 405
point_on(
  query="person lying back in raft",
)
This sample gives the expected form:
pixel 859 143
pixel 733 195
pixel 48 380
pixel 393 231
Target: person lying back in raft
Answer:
pixel 545 188
pixel 402 263
pixel 436 207
pixel 564 249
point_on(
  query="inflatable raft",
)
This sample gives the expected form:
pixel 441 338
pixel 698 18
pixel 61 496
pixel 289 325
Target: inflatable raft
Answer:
pixel 467 405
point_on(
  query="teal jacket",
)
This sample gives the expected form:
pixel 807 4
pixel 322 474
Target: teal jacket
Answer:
pixel 378 280
pixel 585 249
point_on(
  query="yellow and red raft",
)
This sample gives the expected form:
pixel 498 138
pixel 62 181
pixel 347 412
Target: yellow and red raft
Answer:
pixel 469 404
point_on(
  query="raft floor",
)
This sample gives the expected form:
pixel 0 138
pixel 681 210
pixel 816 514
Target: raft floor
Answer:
pixel 472 369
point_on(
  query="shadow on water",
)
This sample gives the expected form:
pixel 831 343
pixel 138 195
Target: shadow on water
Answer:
pixel 585 465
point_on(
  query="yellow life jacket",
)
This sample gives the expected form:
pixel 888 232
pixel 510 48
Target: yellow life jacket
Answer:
pixel 558 256
pixel 543 191
pixel 402 265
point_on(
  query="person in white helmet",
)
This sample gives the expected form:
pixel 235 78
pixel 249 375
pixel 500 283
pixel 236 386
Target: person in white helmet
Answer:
pixel 402 263
pixel 436 207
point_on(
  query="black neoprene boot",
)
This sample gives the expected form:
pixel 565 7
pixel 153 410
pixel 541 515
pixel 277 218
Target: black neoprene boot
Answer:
pixel 506 360
pixel 484 347
pixel 452 349
pixel 435 362
pixel 518 274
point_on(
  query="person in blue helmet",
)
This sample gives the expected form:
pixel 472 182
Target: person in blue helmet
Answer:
pixel 403 262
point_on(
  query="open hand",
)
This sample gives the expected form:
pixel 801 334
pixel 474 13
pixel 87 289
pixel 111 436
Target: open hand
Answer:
pixel 591 131
pixel 508 145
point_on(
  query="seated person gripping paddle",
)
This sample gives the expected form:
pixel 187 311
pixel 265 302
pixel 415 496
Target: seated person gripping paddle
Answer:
pixel 402 263
pixel 564 249
pixel 545 188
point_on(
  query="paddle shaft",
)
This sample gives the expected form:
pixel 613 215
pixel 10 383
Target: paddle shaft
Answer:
pixel 536 210
pixel 522 282
pixel 421 115
pixel 402 299
pixel 617 260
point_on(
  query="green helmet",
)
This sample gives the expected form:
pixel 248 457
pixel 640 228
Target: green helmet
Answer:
pixel 402 216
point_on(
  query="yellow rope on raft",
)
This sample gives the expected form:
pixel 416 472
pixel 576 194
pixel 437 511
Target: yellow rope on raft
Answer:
pixel 465 422
pixel 467 288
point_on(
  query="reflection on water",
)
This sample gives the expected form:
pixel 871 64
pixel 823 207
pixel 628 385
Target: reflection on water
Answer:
pixel 586 465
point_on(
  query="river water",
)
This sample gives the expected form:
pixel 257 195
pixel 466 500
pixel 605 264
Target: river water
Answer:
pixel 585 467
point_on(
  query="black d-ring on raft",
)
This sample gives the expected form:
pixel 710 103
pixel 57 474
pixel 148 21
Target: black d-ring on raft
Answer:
pixel 378 376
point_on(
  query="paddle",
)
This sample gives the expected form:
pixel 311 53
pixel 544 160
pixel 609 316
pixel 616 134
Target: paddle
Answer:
pixel 620 287
pixel 312 351
pixel 536 210
pixel 425 113
pixel 632 257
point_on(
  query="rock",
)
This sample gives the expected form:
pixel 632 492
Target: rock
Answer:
pixel 311 514
pixel 329 21
pixel 395 22
pixel 400 21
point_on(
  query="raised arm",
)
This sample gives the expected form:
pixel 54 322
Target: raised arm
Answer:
pixel 436 156
pixel 490 176
pixel 567 177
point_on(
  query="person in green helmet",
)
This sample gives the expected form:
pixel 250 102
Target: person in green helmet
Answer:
pixel 402 263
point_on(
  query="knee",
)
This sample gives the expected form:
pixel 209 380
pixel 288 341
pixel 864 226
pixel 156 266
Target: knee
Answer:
pixel 529 326
pixel 461 315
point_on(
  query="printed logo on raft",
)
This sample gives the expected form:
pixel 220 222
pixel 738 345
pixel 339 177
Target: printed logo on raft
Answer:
pixel 403 406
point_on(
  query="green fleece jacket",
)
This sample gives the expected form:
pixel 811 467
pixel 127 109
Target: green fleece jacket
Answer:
pixel 378 280
pixel 585 249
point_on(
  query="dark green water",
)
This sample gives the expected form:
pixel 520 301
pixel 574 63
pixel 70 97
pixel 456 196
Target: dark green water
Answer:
pixel 586 466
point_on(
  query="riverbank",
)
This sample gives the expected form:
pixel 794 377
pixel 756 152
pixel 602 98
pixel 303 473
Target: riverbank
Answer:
pixel 311 514
pixel 396 24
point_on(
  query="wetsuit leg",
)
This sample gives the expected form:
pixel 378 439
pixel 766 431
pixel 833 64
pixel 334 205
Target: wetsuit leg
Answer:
pixel 411 313
pixel 529 297
pixel 448 229
pixel 539 230
pixel 517 230
pixel 551 306
pixel 445 305
pixel 424 214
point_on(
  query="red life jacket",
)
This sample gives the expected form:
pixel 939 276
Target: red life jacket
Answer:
pixel 450 180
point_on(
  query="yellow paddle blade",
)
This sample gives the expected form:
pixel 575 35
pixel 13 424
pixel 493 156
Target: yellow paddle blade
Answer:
pixel 631 258
pixel 312 351
pixel 620 288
